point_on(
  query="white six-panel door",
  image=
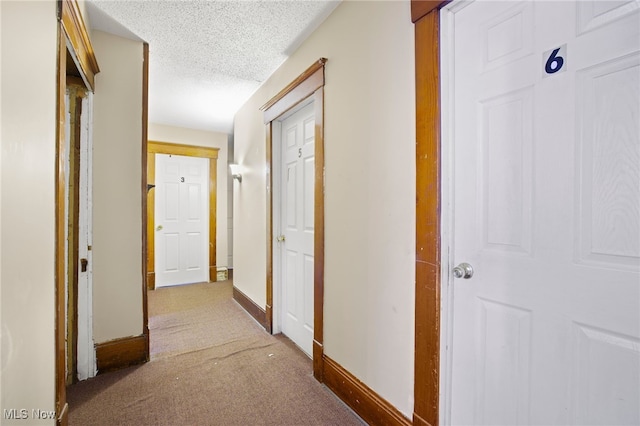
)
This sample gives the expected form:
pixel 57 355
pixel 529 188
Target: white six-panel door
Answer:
pixel 181 220
pixel 543 108
pixel 297 226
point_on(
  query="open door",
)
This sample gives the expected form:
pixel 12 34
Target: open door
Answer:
pixel 76 60
pixel 81 360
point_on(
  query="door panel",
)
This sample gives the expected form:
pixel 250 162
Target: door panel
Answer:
pixel 181 218
pixel 291 290
pixel 309 182
pixel 308 277
pixel 506 165
pixel 608 211
pixel 546 208
pixel 171 252
pixel 297 225
pixel 86 349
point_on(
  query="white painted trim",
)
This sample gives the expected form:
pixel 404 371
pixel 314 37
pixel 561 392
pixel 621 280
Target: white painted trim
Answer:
pixel 67 168
pixel 447 151
pixel 276 172
pixel 86 349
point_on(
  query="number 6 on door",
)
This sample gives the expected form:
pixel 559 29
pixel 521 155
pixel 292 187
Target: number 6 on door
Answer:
pixel 554 60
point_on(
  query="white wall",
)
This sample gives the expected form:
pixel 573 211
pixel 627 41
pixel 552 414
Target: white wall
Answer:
pixel 2 333
pixel 117 173
pixel 370 191
pixel 27 230
pixel 184 136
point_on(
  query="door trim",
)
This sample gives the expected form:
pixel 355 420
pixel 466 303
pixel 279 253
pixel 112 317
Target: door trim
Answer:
pixel 426 16
pixel 62 410
pixel 73 38
pixel 74 28
pixel 308 84
pixel 144 196
pixel 154 148
pixel 446 213
pixel 77 92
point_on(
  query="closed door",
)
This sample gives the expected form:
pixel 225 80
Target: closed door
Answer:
pixel 297 226
pixel 181 219
pixel 544 101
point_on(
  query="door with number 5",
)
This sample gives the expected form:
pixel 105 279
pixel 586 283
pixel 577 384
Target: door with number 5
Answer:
pixel 295 246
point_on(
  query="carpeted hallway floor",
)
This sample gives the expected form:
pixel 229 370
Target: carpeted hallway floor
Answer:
pixel 211 364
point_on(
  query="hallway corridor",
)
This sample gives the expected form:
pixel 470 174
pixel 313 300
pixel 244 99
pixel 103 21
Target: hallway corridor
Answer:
pixel 211 364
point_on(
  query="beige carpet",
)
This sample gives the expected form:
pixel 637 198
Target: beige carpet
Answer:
pixel 211 364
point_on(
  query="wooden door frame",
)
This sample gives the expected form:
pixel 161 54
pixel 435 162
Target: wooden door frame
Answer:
pixel 153 148
pixel 78 92
pixel 73 38
pixel 425 14
pixel 309 84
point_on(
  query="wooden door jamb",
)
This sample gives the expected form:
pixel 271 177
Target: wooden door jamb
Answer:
pixel 426 16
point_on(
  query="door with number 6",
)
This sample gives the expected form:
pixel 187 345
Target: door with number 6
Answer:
pixel 541 197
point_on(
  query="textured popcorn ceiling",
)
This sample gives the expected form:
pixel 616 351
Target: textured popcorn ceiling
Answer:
pixel 206 57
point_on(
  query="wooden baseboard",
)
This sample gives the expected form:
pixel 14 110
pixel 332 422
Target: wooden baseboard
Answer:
pixel 268 323
pixel 121 353
pixel 365 402
pixel 318 361
pixel 230 273
pixel 249 305
pixel 63 416
pixel 151 280
pixel 419 421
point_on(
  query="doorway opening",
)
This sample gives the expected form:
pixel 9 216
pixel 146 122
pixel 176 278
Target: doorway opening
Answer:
pixel 154 148
pixel 293 211
pixel 76 62
pixel 81 359
pixel 308 87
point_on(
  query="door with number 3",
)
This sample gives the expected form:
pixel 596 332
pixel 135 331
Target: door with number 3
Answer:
pixel 541 197
pixel 181 216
